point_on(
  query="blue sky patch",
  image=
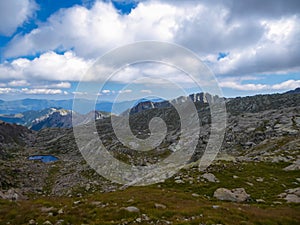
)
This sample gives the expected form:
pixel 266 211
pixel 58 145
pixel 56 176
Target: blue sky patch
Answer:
pixel 125 7
pixel 222 55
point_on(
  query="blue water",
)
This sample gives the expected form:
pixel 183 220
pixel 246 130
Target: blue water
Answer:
pixel 43 158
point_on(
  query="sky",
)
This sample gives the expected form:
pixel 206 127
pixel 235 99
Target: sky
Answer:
pixel 47 46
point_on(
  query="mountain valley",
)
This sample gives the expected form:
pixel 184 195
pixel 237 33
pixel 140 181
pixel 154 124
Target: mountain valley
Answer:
pixel 255 177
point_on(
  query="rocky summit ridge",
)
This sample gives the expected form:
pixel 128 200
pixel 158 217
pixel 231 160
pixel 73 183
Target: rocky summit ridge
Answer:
pixel 196 97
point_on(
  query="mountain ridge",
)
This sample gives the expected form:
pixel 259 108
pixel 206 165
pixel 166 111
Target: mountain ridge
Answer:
pixel 22 105
pixel 51 117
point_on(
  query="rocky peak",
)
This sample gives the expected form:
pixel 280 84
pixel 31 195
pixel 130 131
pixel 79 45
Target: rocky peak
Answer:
pixel 197 97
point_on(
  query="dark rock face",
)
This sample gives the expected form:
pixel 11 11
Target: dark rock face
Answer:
pixel 296 91
pixel 14 135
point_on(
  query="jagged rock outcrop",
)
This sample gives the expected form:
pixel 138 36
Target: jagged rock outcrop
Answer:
pixel 196 98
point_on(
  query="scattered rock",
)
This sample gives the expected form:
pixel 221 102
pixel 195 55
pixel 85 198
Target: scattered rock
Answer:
pixel 260 200
pixel 292 198
pixel 210 177
pixel 291 195
pixel 59 222
pixel 277 159
pixel 249 144
pixel 145 217
pixel 61 211
pixel 96 203
pixel 195 195
pixel 235 177
pixel 295 191
pixel 12 194
pixel 250 184
pixel 160 206
pixel 260 179
pixel 31 222
pixel 234 195
pixel 294 166
pixel 47 209
pixel 88 187
pixel 132 209
pixel 47 223
pixel 179 181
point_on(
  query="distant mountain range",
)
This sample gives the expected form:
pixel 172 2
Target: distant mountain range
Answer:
pixel 23 105
pixel 20 106
pixel 40 115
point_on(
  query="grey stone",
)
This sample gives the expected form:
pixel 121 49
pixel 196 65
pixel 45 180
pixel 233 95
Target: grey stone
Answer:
pixel 294 166
pixel 295 191
pixel 234 195
pixel 260 200
pixel 179 181
pixel 260 179
pixel 132 209
pixel 61 211
pixel 210 177
pixel 292 198
pixel 31 222
pixel 47 223
pixel 160 206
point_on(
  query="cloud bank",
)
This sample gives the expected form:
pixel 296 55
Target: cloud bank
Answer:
pixel 258 38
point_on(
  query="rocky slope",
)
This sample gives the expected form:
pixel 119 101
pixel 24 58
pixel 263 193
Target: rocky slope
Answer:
pixel 257 169
pixel 13 138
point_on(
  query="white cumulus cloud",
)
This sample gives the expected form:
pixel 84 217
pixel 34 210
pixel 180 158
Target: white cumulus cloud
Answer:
pixel 13 13
pixel 49 66
pixel 258 38
pixel 18 83
pixel 42 91
pixel 285 85
pixel 146 91
pixel 125 91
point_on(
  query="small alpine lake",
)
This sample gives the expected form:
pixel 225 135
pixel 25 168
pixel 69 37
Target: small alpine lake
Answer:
pixel 43 158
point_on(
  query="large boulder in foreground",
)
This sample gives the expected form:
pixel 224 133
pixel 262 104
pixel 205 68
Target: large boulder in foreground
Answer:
pixel 234 195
